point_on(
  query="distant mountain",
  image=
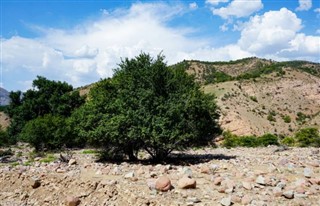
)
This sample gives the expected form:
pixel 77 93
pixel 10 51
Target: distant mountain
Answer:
pixel 4 97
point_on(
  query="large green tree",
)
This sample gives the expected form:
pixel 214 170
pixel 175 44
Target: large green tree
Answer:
pixel 47 97
pixel 147 105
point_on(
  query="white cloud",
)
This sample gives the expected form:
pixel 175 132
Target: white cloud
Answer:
pixel 216 2
pixel 86 52
pixel 276 33
pixel 304 5
pixel 193 5
pixel 238 8
pixel 269 32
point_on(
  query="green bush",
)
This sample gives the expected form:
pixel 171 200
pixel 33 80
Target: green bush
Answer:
pixel 46 97
pixel 286 119
pixel 289 141
pixel 308 137
pixel 47 133
pixel 231 140
pixel 268 139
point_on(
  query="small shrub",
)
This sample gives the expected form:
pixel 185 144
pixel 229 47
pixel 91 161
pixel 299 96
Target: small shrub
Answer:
pixel 248 141
pixel 254 98
pixel 90 151
pixel 230 140
pixel 308 137
pixel 268 139
pixel 286 119
pixel 289 141
pixel 49 158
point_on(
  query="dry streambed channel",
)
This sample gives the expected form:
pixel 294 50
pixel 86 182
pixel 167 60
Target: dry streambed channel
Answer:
pixel 238 176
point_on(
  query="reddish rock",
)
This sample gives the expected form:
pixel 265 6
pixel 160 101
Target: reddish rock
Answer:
pixel 163 184
pixel 72 201
pixel 205 169
pixel 246 199
pixel 187 183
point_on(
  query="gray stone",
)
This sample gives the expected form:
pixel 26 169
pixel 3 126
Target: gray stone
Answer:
pixel 289 194
pixel 129 175
pixel 226 201
pixel 307 172
pixel 260 180
pixel 193 199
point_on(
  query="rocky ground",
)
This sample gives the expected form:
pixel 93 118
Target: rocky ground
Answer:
pixel 239 176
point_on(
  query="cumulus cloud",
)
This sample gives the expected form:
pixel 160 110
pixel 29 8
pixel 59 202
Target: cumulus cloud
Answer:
pixel 86 52
pixel 277 33
pixel 304 5
pixel 238 8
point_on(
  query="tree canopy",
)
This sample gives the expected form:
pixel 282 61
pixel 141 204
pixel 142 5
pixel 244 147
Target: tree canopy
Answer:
pixel 149 106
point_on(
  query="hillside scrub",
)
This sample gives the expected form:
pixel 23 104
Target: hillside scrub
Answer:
pixel 146 106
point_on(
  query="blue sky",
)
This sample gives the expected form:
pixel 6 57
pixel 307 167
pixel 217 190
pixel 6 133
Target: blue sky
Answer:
pixel 82 41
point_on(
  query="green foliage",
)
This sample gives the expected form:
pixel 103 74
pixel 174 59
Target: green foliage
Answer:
pixel 254 98
pixel 147 105
pixel 301 117
pixel 289 141
pixel 308 137
pixel 3 108
pixel 271 116
pixel 4 137
pixel 212 75
pixel 48 132
pixel 90 151
pixel 46 97
pixel 49 158
pixel 286 119
pixel 231 140
pixel 268 139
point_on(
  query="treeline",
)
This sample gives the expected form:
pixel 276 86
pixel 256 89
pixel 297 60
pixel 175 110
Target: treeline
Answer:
pixel 146 106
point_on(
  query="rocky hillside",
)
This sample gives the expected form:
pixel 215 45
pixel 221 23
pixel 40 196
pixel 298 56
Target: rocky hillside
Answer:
pixel 259 96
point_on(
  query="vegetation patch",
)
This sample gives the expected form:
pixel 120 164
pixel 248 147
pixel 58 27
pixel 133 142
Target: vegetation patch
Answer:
pixel 231 140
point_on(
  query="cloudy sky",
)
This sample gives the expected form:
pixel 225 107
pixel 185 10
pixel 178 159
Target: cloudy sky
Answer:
pixel 83 41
